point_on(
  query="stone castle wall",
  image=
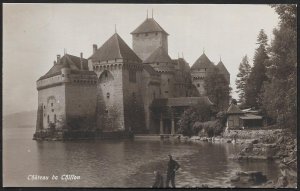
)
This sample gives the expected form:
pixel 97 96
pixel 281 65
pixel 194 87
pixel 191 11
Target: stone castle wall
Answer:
pixel 134 113
pixel 80 105
pixel 53 103
pixel 150 91
pixel 167 85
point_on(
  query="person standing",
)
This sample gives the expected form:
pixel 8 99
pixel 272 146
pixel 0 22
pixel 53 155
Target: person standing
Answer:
pixel 159 180
pixel 173 166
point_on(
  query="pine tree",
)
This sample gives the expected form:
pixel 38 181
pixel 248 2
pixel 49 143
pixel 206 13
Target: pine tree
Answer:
pixel 258 73
pixel 217 89
pixel 242 78
pixel 280 96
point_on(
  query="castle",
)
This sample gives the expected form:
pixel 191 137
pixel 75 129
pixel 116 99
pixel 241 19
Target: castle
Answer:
pixel 119 89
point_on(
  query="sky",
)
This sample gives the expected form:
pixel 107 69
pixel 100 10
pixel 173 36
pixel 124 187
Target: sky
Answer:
pixel 33 34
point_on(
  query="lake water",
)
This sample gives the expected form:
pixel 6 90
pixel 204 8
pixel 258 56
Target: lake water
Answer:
pixel 117 163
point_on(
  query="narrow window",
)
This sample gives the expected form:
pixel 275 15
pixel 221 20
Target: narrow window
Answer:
pixel 156 33
pixel 48 119
pixel 51 104
pixel 63 75
pixel 105 74
pixel 157 63
pixel 44 107
pixel 52 110
pixel 146 34
pixel 166 92
pixel 54 118
pixel 132 75
pixel 198 85
pixel 107 95
pixel 168 80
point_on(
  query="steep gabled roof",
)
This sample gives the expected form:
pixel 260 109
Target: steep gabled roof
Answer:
pixel 149 25
pixel 202 62
pixel 113 48
pixel 150 70
pixel 222 68
pixel 159 55
pixel 182 64
pixel 67 61
pixel 234 109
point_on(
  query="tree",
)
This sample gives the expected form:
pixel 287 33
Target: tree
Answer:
pixel 242 78
pixel 217 89
pixel 280 95
pixel 198 113
pixel 257 75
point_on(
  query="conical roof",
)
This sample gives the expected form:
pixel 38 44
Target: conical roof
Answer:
pixel 234 109
pixel 159 55
pixel 202 62
pixel 149 25
pixel 222 68
pixel 115 47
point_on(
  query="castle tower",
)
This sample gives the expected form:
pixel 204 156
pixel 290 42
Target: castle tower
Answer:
pixel 147 37
pixel 199 70
pixel 67 96
pixel 119 100
pixel 162 63
pixel 224 71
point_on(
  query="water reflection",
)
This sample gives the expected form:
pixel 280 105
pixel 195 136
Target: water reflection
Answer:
pixel 119 163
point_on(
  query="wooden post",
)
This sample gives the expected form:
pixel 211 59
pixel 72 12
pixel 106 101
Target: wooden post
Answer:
pixel 173 122
pixel 161 130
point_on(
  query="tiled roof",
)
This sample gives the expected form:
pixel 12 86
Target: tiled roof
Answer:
pixel 67 61
pixel 251 116
pixel 182 64
pixel 181 101
pixel 150 70
pixel 234 109
pixel 149 25
pixel 202 62
pixel 113 48
pixel 159 55
pixel 222 68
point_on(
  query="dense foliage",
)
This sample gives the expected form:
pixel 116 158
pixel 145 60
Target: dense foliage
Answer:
pixel 217 89
pixel 257 75
pixel 272 83
pixel 197 113
pixel 242 78
pixel 280 91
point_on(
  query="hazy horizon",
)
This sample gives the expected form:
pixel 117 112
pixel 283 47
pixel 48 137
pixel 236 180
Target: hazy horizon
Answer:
pixel 33 34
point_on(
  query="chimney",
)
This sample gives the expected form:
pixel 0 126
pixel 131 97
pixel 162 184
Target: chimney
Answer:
pixel 58 58
pixel 81 61
pixel 94 48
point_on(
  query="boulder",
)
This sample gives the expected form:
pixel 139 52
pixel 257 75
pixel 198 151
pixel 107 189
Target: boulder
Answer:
pixel 255 141
pixel 282 182
pixel 235 179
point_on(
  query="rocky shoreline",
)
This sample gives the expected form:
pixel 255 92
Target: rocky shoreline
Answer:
pixel 277 145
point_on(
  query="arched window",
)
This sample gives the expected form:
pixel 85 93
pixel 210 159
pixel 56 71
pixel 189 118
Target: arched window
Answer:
pixel 107 95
